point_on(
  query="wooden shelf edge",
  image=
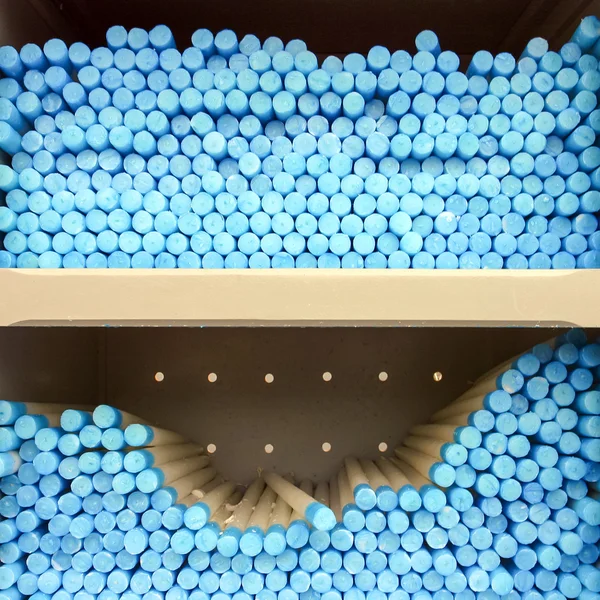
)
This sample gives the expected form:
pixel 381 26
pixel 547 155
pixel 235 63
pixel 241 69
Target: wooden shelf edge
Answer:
pixel 296 297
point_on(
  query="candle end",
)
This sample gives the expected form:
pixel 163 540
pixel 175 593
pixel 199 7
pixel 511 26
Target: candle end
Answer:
pixel 320 516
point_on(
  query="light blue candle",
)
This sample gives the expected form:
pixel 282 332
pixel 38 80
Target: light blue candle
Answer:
pixel 10 63
pixel 9 179
pixel 9 463
pixel 481 63
pixel 10 89
pixel 514 98
pixel 587 33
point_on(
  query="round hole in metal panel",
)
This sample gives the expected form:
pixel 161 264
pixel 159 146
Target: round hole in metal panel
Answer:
pixel 327 376
pixel 382 447
pixel 269 378
pixel 326 447
pixel 383 376
pixel 355 414
pixel 211 448
pixel 212 377
pixel 158 376
pixel 269 448
pixel 437 376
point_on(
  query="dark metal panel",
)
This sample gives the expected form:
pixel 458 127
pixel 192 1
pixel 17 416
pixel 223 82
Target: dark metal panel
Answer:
pixel 240 413
pixel 328 27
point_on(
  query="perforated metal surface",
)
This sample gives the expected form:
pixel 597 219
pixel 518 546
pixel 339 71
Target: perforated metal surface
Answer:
pixel 240 412
pixel 44 364
pixel 354 412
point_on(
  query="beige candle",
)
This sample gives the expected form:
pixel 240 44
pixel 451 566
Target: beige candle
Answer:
pixel 139 435
pixel 476 392
pixel 364 495
pixel 422 463
pixel 386 495
pixel 243 511
pixel 414 477
pixel 322 493
pixel 435 432
pixel 334 498
pixel 189 500
pixel 487 382
pixel 468 405
pixel 129 419
pixel 224 512
pixel 376 478
pixel 440 473
pixel 394 475
pixel 346 496
pixel 425 445
pixel 163 437
pixel 484 380
pixel 281 514
pixel 305 486
pixel 221 517
pixel 208 487
pixel 184 485
pixel 318 515
pixel 180 468
pixel 456 420
pixel 262 512
pixel 203 509
pixel 165 454
pixel 216 497
pixel 356 476
pixel 507 364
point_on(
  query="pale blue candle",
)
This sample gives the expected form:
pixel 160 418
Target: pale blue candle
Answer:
pixel 10 89
pixel 9 179
pixel 10 63
pixel 587 33
pixel 10 463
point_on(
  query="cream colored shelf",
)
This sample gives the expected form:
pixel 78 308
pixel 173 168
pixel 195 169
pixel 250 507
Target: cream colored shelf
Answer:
pixel 295 297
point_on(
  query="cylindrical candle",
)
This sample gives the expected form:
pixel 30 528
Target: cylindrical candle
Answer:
pixel 106 416
pixel 151 479
pixel 137 460
pixel 228 543
pixel 11 411
pixel 200 513
pixel 364 495
pixel 251 542
pixel 183 486
pixel 143 435
pixel 387 498
pixel 320 516
pixel 440 473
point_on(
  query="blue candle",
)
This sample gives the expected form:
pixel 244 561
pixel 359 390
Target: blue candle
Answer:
pixel 587 33
pixel 504 104
pixel 9 463
pixel 10 63
pixel 481 63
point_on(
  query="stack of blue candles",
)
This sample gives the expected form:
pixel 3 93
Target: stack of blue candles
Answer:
pixel 242 154
pixel 497 497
